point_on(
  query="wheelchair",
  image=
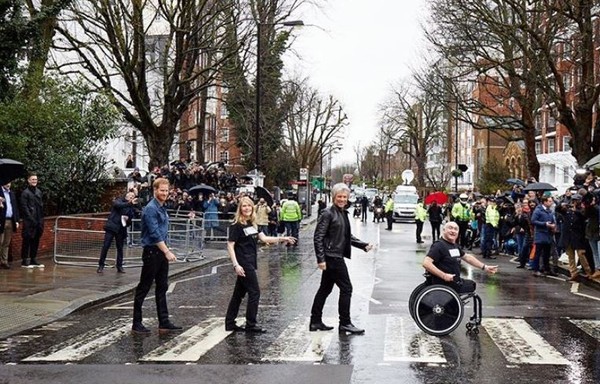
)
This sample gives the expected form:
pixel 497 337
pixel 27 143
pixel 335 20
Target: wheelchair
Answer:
pixel 438 309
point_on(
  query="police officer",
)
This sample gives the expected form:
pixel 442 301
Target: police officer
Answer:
pixel 461 214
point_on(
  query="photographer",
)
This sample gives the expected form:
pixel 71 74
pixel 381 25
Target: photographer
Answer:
pixel 572 237
pixel 262 211
pixel 116 228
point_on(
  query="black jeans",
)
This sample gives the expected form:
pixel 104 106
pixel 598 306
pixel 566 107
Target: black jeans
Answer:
pixel 419 229
pixel 335 273
pixel 435 230
pixel 30 244
pixel 243 285
pixel 119 240
pixel 155 269
pixel 389 216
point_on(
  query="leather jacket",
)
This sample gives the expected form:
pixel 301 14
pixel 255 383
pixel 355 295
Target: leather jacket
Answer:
pixel 329 240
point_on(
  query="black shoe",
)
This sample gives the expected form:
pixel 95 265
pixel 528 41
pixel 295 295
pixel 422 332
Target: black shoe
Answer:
pixel 25 264
pixel 4 266
pixel 254 329
pixel 100 269
pixel 120 270
pixel 521 266
pixel 554 274
pixel 492 257
pixel 350 328
pixel 319 327
pixel 169 327
pixel 234 328
pixel 140 329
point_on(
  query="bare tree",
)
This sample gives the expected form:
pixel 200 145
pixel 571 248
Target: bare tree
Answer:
pixel 154 58
pixel 509 51
pixel 412 120
pixel 314 124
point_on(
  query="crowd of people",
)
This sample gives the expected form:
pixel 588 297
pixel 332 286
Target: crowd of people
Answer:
pixel 537 226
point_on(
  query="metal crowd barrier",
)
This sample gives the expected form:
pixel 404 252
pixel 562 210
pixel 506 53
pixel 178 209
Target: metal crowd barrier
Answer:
pixel 78 241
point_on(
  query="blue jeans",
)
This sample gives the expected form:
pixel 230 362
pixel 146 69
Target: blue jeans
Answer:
pixel 595 245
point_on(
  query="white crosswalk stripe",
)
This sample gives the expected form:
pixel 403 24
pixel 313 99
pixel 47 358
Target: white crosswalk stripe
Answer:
pixel 86 344
pixel 520 343
pixel 192 344
pixel 591 327
pixel 297 343
pixel 405 342
pixel 402 341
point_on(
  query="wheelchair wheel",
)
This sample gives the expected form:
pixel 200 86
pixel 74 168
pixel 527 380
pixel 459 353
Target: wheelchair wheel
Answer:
pixel 438 310
pixel 413 297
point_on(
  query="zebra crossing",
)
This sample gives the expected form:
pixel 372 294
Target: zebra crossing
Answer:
pixel 515 338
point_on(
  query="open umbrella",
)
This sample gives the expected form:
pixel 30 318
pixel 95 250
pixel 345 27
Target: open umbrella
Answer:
pixel 516 181
pixel 438 197
pixel 10 170
pixel 262 192
pixel 593 162
pixel 202 188
pixel 539 187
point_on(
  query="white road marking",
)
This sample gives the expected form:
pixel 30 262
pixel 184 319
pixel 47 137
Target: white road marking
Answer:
pixel 86 344
pixel 405 342
pixel 213 271
pixel 297 343
pixel 591 327
pixel 520 344
pixel 192 344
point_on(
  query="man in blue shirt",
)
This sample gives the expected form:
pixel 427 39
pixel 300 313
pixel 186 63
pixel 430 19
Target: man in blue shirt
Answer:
pixel 9 222
pixel 155 257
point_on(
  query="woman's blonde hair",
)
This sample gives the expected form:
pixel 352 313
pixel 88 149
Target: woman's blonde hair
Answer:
pixel 241 219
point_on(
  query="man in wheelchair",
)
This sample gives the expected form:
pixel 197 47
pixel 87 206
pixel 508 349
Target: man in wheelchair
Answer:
pixel 443 261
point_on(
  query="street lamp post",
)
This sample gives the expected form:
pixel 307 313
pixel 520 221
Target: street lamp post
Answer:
pixel 259 25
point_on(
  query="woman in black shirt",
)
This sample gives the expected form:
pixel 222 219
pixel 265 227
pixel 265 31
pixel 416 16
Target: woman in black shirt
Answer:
pixel 241 247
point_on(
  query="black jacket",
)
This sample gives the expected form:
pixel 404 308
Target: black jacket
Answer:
pixel 32 209
pixel 15 208
pixel 120 207
pixel 331 235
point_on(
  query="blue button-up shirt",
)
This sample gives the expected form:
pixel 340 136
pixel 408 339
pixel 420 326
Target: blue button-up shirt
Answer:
pixel 7 203
pixel 155 224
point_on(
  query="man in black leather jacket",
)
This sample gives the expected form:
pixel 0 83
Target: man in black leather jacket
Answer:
pixel 333 241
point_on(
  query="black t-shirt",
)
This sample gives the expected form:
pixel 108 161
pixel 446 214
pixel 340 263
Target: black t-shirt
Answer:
pixel 446 256
pixel 245 238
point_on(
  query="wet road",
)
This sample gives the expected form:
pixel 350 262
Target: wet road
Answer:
pixel 535 330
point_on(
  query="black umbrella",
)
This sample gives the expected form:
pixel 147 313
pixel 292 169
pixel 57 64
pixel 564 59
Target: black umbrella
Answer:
pixel 593 162
pixel 10 170
pixel 516 181
pixel 262 192
pixel 203 189
pixel 539 187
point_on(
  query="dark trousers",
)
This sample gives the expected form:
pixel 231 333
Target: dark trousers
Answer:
pixel 336 273
pixel 435 230
pixel 390 219
pixel 541 261
pixel 364 214
pixel 488 240
pixel 155 269
pixel 292 228
pixel 30 244
pixel 463 286
pixel 119 241
pixel 419 230
pixel 462 232
pixel 243 285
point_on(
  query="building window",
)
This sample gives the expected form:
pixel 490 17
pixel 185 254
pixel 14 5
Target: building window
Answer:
pixel 224 135
pixel 551 145
pixel 538 147
pixel 567 178
pixel 224 111
pixel 225 157
pixel 566 147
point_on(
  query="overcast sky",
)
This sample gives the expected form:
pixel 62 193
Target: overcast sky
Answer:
pixel 355 51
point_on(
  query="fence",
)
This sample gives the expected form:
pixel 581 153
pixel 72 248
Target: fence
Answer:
pixel 78 241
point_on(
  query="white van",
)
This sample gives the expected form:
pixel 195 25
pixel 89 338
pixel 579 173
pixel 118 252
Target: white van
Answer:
pixel 405 203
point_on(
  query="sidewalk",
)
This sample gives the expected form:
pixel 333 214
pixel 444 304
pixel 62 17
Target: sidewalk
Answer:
pixel 30 298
